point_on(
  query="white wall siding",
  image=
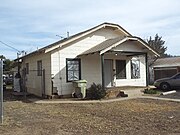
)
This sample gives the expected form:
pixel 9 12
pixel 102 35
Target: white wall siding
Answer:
pixel 54 63
pixel 91 64
pixel 72 51
pixel 129 46
pixel 91 69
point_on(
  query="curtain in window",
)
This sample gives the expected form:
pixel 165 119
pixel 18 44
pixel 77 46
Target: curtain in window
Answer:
pixel 135 69
pixel 73 69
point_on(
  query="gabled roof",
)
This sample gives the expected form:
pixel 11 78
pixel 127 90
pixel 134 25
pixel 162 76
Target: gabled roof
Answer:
pixel 167 62
pixel 111 43
pixel 84 33
pixel 77 36
pixel 103 47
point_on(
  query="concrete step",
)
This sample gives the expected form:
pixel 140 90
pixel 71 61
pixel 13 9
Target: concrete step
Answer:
pixel 134 92
pixel 130 91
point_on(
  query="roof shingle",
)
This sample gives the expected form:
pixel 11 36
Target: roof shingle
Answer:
pixel 103 45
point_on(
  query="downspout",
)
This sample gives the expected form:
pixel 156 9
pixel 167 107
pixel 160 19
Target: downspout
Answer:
pixel 102 69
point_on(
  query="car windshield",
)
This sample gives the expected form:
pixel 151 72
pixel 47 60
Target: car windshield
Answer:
pixel 176 76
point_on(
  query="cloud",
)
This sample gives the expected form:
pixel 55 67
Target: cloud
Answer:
pixel 36 22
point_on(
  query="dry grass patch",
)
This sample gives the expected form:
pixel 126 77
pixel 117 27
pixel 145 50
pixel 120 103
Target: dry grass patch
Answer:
pixel 140 116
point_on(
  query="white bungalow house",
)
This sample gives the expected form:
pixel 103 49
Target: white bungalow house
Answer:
pixel 106 54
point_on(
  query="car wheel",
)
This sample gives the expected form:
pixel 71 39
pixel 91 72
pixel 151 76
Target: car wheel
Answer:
pixel 164 86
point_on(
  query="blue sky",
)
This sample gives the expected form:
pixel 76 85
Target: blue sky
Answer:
pixel 31 24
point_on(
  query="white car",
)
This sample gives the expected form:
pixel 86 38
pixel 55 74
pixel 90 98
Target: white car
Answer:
pixel 168 83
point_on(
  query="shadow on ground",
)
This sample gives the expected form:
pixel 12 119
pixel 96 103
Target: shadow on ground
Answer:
pixel 10 95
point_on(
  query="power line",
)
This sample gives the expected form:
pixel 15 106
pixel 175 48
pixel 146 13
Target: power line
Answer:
pixel 9 46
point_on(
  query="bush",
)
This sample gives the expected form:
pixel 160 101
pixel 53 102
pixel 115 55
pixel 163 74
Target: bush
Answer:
pixel 150 91
pixel 96 92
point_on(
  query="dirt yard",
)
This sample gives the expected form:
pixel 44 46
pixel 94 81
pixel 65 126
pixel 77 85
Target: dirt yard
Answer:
pixel 137 117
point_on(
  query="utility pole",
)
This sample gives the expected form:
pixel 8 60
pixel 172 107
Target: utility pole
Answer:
pixel 1 91
pixel 67 34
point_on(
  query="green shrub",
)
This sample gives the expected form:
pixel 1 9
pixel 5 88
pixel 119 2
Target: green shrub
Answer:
pixel 150 91
pixel 96 92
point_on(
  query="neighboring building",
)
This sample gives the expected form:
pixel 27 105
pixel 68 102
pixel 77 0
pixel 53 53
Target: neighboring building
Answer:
pixel 166 67
pixel 106 54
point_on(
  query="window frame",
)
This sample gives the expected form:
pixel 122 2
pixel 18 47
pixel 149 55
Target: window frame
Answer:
pixel 79 65
pixel 39 68
pixel 177 76
pixel 124 70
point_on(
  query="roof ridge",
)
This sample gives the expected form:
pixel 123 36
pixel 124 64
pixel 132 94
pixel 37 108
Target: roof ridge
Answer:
pixel 76 35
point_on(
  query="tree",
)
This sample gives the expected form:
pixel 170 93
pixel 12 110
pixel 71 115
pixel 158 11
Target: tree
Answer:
pixel 7 63
pixel 158 44
pixel 2 57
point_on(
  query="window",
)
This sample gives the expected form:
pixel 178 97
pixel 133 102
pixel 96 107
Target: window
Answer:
pixel 27 68
pixel 39 68
pixel 120 69
pixel 73 71
pixel 177 76
pixel 135 69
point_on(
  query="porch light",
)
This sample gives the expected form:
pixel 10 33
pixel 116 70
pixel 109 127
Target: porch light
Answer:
pixel 116 54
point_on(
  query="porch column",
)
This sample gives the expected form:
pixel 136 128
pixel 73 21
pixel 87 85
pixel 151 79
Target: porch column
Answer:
pixel 147 70
pixel 102 70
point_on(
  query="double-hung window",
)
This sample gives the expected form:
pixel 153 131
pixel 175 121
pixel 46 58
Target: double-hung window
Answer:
pixel 73 69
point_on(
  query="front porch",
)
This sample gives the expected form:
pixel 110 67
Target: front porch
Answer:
pixel 124 69
pixel 122 60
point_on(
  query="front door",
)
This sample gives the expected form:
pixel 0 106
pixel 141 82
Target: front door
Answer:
pixel 108 75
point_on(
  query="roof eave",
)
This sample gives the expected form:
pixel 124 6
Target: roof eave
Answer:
pixel 30 54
